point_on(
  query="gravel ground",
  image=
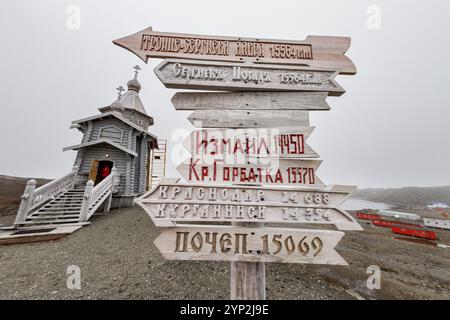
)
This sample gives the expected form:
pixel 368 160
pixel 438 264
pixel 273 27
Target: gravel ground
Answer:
pixel 119 261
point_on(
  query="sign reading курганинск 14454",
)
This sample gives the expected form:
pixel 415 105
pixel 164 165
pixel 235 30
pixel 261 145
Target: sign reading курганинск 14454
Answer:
pixel 171 203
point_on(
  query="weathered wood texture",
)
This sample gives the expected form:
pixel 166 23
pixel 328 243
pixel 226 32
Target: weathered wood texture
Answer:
pixel 248 119
pixel 317 51
pixel 132 170
pixel 227 144
pixel 223 243
pixel 172 203
pixel 247 279
pixel 250 101
pixel 273 172
pixel 225 76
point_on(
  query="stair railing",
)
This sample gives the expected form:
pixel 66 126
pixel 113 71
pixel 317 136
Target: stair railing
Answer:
pixel 34 197
pixel 94 196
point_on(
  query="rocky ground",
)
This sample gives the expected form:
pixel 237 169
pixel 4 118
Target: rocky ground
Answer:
pixel 119 261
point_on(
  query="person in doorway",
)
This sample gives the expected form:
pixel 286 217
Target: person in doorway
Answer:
pixel 105 172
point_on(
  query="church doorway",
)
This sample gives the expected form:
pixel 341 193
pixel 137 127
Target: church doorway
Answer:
pixel 100 170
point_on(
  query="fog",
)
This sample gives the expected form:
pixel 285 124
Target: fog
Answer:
pixel 390 129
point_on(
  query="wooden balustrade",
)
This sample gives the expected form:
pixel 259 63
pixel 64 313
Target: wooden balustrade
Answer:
pixel 95 196
pixel 34 197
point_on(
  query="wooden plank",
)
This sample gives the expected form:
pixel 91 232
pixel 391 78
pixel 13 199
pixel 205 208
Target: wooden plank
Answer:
pixel 250 101
pixel 172 203
pixel 31 239
pixel 223 243
pixel 94 170
pixel 224 144
pixel 318 51
pixel 36 234
pixel 247 279
pixel 225 76
pixel 273 172
pixel 248 119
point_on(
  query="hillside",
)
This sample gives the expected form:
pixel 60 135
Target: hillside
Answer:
pixel 11 188
pixel 420 196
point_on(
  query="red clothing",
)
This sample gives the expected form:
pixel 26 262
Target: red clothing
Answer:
pixel 105 172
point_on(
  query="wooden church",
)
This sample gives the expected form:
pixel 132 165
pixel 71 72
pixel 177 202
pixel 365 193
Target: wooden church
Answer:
pixel 117 137
pixel 116 160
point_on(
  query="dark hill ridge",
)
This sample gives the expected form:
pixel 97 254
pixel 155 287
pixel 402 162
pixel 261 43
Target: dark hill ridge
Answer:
pixel 11 188
pixel 405 196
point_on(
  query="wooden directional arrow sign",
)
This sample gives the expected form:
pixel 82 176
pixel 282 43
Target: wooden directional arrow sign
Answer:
pixel 250 244
pixel 317 51
pixel 170 203
pixel 224 144
pixel 225 76
pixel 250 101
pixel 248 119
pixel 273 172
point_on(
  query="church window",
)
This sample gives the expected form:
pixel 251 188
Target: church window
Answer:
pixel 111 133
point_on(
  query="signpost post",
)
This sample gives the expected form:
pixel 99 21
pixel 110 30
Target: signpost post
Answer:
pixel 249 163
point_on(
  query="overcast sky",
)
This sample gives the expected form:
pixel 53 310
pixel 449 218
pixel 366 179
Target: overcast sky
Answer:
pixel 390 129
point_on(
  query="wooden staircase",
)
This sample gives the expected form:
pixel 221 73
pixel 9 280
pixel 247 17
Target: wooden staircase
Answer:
pixel 62 203
pixel 64 209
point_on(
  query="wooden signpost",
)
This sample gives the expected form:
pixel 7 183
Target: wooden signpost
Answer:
pixel 250 168
pixel 172 203
pixel 283 143
pixel 224 243
pixel 248 119
pixel 317 51
pixel 273 172
pixel 224 76
pixel 250 101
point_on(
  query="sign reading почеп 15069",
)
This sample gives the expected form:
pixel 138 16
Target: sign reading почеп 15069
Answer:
pixel 222 243
pixel 205 75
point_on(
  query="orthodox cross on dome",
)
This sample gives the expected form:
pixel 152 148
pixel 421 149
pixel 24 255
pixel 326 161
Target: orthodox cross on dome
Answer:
pixel 136 70
pixel 119 92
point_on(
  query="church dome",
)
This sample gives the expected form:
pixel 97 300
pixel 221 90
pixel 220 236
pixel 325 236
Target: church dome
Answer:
pixel 131 100
pixel 134 85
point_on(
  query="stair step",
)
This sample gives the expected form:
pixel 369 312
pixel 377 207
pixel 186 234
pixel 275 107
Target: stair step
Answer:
pixel 54 213
pixel 71 196
pixel 62 205
pixel 60 217
pixel 53 208
pixel 66 201
pixel 49 221
pixel 57 211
